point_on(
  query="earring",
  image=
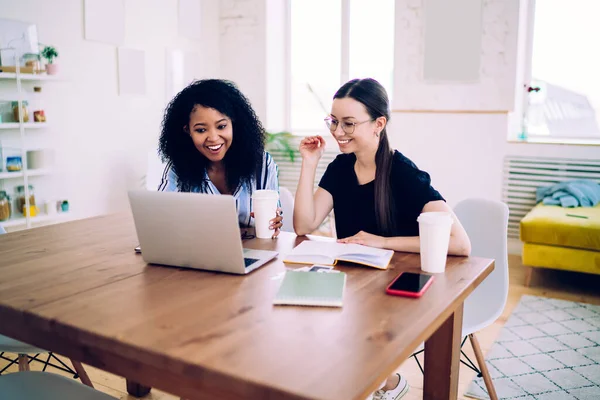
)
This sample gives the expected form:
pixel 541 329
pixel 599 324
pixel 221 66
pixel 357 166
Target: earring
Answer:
pixel 376 133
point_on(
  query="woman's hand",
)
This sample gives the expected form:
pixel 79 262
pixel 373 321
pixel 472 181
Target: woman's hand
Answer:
pixel 312 148
pixel 276 223
pixel 365 239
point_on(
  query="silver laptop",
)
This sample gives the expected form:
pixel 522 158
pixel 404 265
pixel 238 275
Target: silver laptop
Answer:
pixel 192 230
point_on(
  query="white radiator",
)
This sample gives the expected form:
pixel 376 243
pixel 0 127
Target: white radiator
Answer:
pixel 522 175
pixel 289 172
pixel 289 175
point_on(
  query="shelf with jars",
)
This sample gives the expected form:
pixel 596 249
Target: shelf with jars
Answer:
pixel 24 168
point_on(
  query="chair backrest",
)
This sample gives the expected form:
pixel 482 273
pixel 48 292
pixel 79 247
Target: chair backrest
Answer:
pixel 155 169
pixel 46 385
pixel 486 223
pixel 287 205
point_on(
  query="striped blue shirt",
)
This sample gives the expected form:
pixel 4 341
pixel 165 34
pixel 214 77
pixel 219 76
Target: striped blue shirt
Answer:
pixel 242 194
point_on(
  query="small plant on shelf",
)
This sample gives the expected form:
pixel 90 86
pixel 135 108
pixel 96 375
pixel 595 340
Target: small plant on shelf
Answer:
pixel 50 53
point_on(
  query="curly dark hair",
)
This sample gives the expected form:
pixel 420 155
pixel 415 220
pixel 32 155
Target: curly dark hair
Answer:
pixel 244 156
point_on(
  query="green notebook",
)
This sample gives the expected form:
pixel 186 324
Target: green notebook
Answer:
pixel 311 289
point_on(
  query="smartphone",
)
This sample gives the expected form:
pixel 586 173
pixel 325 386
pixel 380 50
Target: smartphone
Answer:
pixel 409 284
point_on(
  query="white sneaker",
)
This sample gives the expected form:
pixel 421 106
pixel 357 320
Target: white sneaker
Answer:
pixel 393 394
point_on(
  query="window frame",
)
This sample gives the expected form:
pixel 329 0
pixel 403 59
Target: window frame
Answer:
pixel 524 83
pixel 344 71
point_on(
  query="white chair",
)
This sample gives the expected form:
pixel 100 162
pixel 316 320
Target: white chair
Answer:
pixel 9 345
pixel 287 205
pixel 154 170
pixel 486 223
pixel 45 386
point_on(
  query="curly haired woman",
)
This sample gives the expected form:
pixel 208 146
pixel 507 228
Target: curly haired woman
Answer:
pixel 212 142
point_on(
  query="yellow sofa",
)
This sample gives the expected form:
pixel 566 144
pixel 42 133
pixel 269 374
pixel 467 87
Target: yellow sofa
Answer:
pixel 561 238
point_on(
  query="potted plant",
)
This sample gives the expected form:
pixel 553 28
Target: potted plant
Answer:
pixel 50 53
pixel 281 141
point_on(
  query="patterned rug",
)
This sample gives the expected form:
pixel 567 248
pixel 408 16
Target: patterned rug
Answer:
pixel 548 350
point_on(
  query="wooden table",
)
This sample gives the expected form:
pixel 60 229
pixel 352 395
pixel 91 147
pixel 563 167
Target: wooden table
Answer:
pixel 78 289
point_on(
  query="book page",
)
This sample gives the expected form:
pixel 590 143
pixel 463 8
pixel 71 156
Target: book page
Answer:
pixel 372 256
pixel 318 252
pixel 313 247
pixel 365 250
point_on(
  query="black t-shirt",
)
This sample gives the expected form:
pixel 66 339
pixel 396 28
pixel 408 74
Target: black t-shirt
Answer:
pixel 354 204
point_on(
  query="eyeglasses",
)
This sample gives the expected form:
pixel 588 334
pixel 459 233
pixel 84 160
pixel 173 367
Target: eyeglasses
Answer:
pixel 347 126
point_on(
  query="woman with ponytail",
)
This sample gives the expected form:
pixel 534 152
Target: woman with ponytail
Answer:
pixel 376 192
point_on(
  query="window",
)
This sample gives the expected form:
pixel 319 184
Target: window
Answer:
pixel 333 41
pixel 562 100
pixel 372 41
pixel 315 61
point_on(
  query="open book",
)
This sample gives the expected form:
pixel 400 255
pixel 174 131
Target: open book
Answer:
pixel 311 289
pixel 329 253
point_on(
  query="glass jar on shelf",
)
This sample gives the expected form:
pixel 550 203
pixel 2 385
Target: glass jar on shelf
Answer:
pixel 21 200
pixel 15 107
pixel 5 208
pixel 36 105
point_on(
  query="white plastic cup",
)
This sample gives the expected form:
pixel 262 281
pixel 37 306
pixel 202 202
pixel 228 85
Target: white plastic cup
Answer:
pixel 434 234
pixel 264 206
pixel 51 208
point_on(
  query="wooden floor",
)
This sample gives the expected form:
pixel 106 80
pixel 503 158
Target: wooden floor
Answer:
pixel 555 284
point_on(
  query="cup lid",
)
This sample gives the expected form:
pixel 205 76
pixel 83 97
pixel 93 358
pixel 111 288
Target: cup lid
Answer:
pixel 265 194
pixel 435 217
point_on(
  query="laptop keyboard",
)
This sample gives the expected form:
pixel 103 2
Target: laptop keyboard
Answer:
pixel 249 261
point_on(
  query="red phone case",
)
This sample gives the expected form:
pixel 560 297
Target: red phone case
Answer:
pixel 405 293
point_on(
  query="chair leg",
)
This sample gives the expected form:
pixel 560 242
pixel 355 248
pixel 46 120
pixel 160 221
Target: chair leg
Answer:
pixel 62 366
pixel 47 361
pixel 483 367
pixel 85 379
pixel 23 362
pixel 528 276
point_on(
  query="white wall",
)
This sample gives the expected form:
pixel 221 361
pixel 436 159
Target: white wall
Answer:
pixel 461 152
pixel 253 55
pixel 458 55
pixel 243 46
pixel 101 138
pixel 464 152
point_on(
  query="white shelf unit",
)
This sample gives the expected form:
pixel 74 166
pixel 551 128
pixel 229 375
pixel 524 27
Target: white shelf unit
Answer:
pixel 40 218
pixel 17 219
pixel 28 77
pixel 29 172
pixel 26 125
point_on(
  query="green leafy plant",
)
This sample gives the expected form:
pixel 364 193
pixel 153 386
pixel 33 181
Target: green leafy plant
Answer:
pixel 282 141
pixel 49 53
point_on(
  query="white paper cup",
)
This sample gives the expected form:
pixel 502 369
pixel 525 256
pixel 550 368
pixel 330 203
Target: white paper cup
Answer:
pixel 434 234
pixel 50 207
pixel 264 206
